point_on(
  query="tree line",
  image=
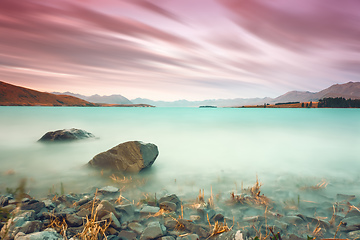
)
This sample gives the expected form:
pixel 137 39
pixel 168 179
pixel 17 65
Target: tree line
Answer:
pixel 339 102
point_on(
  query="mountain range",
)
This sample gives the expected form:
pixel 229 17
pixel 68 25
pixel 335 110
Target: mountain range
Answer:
pixel 11 95
pixel 20 96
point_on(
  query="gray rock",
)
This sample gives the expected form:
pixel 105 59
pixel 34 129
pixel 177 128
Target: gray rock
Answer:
pixel 189 237
pixel 152 231
pixel 129 209
pixel 108 189
pixel 168 206
pixel 149 210
pixel 130 156
pixel 354 234
pixel 36 206
pixel 281 225
pixel 231 235
pixel 171 198
pixel 351 223
pixel 28 227
pixel 170 223
pixel 4 200
pixel 353 213
pixel 114 221
pixel 136 227
pixel 218 218
pixel 66 135
pixel 127 235
pixel 292 220
pixel 74 220
pixel 104 208
pixel 83 213
pixel 344 197
pixel 47 234
pixel 167 238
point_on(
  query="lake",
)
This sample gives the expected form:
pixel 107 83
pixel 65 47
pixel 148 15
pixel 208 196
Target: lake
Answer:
pixel 200 148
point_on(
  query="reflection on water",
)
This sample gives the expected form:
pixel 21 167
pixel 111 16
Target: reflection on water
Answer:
pixel 199 148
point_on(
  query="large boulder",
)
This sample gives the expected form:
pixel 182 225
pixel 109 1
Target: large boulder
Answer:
pixel 66 135
pixel 130 156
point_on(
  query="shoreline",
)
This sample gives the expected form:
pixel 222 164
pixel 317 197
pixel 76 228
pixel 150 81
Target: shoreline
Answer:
pixel 249 213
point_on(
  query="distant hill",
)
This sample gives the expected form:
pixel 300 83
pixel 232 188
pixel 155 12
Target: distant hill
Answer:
pixel 112 99
pixel 346 90
pixel 11 95
pixel 212 102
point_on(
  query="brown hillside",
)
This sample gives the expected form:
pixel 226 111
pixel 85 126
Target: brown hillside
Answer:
pixel 11 95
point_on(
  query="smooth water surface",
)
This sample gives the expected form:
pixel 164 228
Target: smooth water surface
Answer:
pixel 199 148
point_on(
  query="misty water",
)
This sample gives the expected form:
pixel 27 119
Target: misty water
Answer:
pixel 221 149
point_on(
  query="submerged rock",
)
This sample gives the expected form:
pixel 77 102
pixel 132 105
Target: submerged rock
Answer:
pixel 66 135
pixel 130 156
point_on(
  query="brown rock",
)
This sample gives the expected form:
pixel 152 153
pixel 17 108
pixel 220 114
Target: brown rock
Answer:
pixel 130 156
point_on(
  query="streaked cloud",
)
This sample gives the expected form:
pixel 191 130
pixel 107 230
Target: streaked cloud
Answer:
pixel 179 49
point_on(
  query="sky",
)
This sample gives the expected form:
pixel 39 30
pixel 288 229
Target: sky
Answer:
pixel 179 49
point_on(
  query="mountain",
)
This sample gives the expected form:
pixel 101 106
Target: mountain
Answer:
pixel 209 102
pixel 11 95
pixel 112 99
pixel 346 90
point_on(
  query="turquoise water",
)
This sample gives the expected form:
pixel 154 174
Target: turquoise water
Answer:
pixel 199 148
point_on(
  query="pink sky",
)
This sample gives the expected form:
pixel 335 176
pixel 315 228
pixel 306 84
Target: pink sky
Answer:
pixel 179 49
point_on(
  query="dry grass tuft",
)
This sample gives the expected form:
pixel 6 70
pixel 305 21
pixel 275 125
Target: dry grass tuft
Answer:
pixel 251 196
pixel 321 185
pixel 59 225
pixel 218 228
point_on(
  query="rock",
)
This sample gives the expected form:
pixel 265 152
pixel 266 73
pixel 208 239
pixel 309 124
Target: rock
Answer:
pixel 353 213
pixel 66 135
pixel 14 225
pixel 171 198
pixel 168 206
pixel 136 227
pixel 149 210
pixel 189 237
pixel 130 156
pixel 218 218
pixel 194 218
pixel 114 221
pixel 167 238
pixel 113 237
pixel 344 197
pixel 292 220
pixel 170 223
pixel 109 189
pixel 36 206
pixel 104 208
pixel 354 234
pixel 231 235
pixel 74 220
pixel 152 231
pixel 29 227
pixel 4 200
pixel 127 235
pixel 281 225
pixel 48 234
pixel 351 223
pixel 83 213
pixel 129 209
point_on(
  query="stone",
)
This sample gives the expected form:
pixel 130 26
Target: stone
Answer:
pixel 218 218
pixel 114 237
pixel 114 221
pixel 171 198
pixel 194 218
pixel 132 156
pixel 351 223
pixel 109 189
pixel 189 237
pixel 129 209
pixel 344 197
pixel 152 231
pixel 280 224
pixel 83 213
pixel 104 208
pixel 136 227
pixel 66 135
pixel 48 234
pixel 354 234
pixel 292 220
pixel 149 210
pixel 127 235
pixel 36 206
pixel 167 238
pixel 170 223
pixel 231 235
pixel 353 213
pixel 74 220
pixel 4 200
pixel 168 206
pixel 29 227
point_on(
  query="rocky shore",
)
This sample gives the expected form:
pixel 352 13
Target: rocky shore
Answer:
pixel 106 214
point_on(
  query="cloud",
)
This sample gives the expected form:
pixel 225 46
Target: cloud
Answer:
pixel 298 25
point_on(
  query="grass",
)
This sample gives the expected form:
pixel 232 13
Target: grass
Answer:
pixel 251 195
pixel 321 185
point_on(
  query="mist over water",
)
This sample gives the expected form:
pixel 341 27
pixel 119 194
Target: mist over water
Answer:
pixel 199 148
